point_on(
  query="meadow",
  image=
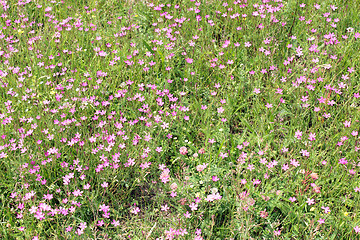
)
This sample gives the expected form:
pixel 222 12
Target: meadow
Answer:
pixel 179 119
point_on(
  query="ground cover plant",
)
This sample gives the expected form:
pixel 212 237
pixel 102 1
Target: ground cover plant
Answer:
pixel 191 119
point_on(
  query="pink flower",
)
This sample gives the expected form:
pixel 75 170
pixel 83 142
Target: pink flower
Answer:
pixel 193 206
pixel 215 178
pixel 268 105
pixel 223 155
pixel 187 214
pixel 165 208
pixel 321 221
pixel 189 60
pixel 247 44
pixel 183 150
pixel 48 197
pixel 256 182
pixel 213 197
pixel 264 214
pixel 39 215
pixel 115 223
pixel 357 229
pixel 343 161
pixel 201 168
pixel 145 165
pixel 326 209
pixel 135 210
pixel 220 110
pixel 277 232
pixel 77 193
pixel 298 134
pixel 347 123
pixel 312 136
pixel 310 201
pixel 104 208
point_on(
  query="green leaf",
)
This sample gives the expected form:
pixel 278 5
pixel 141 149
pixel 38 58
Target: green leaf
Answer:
pixel 148 47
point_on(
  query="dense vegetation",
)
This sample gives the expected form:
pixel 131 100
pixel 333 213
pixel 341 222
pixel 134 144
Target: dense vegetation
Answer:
pixel 192 119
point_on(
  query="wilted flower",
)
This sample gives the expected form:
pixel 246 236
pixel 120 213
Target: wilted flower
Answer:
pixel 314 176
pixel 200 168
pixel 173 186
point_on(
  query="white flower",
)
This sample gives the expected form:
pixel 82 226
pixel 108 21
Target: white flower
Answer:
pixel 350 29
